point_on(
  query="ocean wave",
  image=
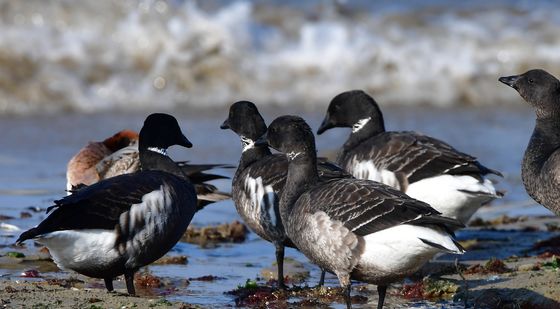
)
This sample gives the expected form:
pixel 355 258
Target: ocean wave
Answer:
pixel 135 55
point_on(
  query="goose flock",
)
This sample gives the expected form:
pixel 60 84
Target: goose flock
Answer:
pixel 390 202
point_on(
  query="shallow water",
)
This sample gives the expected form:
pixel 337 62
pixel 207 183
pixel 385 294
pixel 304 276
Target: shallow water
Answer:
pixel 35 149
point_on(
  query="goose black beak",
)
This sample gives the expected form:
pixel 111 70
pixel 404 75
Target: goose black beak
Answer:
pixel 325 125
pixel 262 141
pixel 510 80
pixel 184 141
pixel 225 125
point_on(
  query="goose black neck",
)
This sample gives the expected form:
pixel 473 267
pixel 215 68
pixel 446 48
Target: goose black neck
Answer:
pixel 302 176
pixel 252 155
pixel 544 141
pixel 151 160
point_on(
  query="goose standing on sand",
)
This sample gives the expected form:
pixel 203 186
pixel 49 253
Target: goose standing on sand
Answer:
pixel 118 155
pixel 540 169
pixel 423 167
pixel 259 179
pixel 358 229
pixel 117 225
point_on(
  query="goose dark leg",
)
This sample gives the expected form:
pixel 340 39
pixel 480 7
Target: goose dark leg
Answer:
pixel 347 290
pixel 346 284
pixel 280 265
pixel 322 279
pixel 381 290
pixel 109 284
pixel 129 278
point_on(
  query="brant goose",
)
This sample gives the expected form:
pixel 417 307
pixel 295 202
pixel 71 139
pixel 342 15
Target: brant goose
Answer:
pixel 356 228
pixel 423 167
pixel 259 179
pixel 540 168
pixel 117 225
pixel 118 155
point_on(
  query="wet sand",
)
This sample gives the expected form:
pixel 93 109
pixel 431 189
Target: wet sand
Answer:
pixel 527 279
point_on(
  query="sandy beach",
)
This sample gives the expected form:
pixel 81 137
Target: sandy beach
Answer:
pixel 527 280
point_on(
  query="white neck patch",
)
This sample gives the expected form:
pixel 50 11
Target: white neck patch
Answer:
pixel 360 124
pixel 161 151
pixel 292 155
pixel 247 143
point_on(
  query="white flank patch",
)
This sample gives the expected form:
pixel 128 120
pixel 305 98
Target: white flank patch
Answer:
pixel 161 151
pixel 360 124
pixel 261 195
pixel 368 170
pixel 247 143
pixel 80 249
pixel 400 250
pixel 147 221
pixel 442 193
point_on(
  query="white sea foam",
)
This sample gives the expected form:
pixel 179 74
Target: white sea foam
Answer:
pixel 99 55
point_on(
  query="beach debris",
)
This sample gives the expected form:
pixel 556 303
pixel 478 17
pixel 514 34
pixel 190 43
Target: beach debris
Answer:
pixel 9 227
pixel 207 278
pixel 147 280
pixel 552 245
pixel 25 215
pixel 529 267
pixel 175 259
pixel 15 254
pixel 65 283
pixel 257 295
pixel 504 219
pixel 35 209
pixel 554 262
pixel 430 289
pixel 294 272
pixel 209 236
pixel 508 298
pixel 492 266
pixel 31 273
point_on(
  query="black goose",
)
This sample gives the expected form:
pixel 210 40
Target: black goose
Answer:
pixel 423 167
pixel 259 179
pixel 120 224
pixel 358 229
pixel 540 169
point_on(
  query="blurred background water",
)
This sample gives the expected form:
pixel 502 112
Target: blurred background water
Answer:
pixel 130 55
pixel 76 71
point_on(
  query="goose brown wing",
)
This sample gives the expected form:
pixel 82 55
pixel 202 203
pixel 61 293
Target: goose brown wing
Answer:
pixel 418 156
pixel 366 207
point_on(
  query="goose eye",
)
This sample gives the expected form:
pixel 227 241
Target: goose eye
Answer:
pixel 531 81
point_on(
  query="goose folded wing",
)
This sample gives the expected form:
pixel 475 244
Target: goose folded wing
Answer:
pixel 419 156
pixel 367 207
pixel 100 205
pixel 123 161
pixel 273 170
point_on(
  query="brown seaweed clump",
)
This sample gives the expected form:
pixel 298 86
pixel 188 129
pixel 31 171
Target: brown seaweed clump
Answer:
pixel 430 289
pixel 147 280
pixel 492 266
pixel 234 232
pixel 255 295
